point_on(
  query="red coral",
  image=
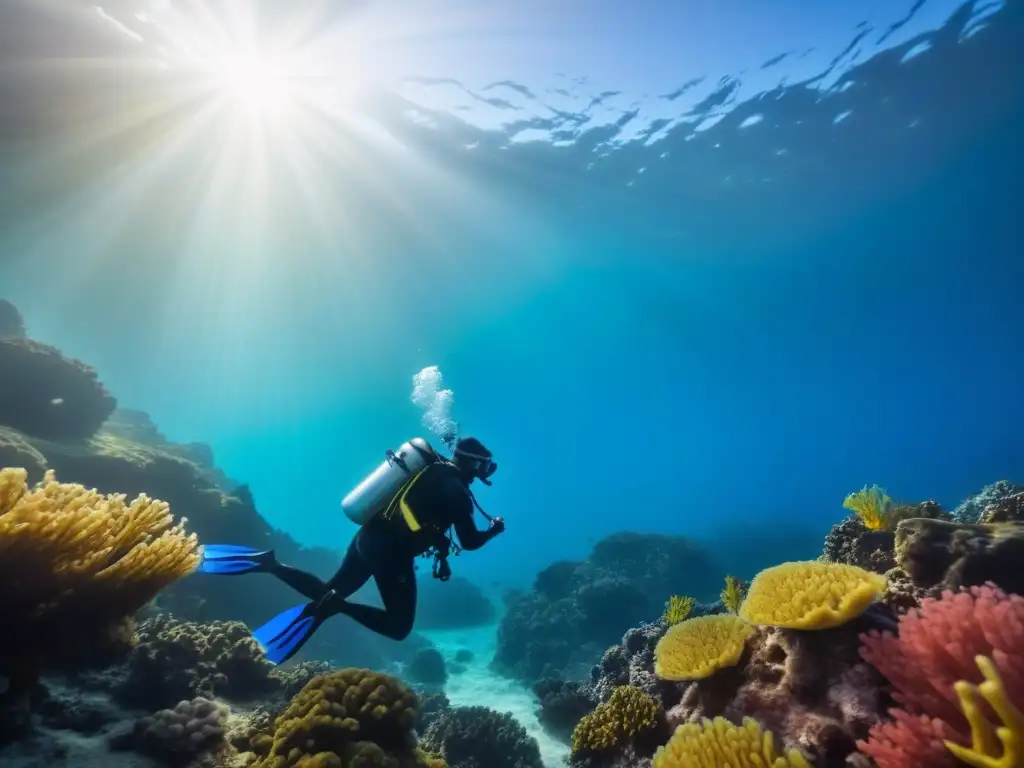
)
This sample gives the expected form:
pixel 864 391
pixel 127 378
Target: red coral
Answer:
pixel 935 648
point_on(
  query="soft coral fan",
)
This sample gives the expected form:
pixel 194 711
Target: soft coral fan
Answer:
pixel 935 649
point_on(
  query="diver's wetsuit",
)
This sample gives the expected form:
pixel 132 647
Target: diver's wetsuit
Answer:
pixel 386 549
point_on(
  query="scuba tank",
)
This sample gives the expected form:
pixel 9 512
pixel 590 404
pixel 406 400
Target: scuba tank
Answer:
pixel 377 490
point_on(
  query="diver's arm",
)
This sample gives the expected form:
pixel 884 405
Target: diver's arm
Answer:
pixel 471 537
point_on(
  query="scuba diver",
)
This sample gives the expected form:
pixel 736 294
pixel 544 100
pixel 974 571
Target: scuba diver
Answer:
pixel 406 508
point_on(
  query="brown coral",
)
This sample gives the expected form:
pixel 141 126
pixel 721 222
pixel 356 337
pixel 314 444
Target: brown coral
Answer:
pixel 175 660
pixel 349 717
pixel 75 566
pixel 935 553
pixel 177 735
pixel 45 394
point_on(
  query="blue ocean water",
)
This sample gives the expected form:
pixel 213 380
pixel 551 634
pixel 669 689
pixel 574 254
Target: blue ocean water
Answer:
pixel 698 268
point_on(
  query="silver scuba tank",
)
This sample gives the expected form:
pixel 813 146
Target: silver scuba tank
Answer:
pixel 377 490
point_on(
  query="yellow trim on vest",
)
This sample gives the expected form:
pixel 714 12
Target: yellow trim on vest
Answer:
pixel 403 505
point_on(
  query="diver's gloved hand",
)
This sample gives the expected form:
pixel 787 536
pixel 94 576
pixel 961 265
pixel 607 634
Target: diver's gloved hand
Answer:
pixel 497 526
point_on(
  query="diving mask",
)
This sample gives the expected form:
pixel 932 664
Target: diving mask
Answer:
pixel 483 466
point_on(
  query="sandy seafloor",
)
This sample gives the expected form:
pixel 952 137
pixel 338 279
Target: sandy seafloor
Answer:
pixel 479 686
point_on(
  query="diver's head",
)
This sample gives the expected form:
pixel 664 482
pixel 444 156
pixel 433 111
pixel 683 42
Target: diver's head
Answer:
pixel 474 460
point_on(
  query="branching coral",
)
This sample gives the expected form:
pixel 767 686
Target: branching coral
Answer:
pixel 937 648
pixel 616 722
pixel 719 743
pixel 75 564
pixel 732 594
pixel 810 595
pixel 999 746
pixel 872 506
pixel 677 609
pixel 696 648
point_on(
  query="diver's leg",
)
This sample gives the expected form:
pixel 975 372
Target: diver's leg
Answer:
pixel 397 585
pixel 351 575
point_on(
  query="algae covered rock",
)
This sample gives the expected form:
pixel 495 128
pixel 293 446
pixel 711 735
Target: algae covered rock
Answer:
pixel 11 324
pixel 936 553
pixel 46 394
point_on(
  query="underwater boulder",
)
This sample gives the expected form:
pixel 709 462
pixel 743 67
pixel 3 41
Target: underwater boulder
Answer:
pixel 48 395
pixel 428 667
pixel 937 553
pixel 12 326
pixel 555 581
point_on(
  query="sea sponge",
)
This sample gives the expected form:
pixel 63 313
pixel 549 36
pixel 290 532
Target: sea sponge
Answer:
pixel 696 648
pixel 872 506
pixel 719 743
pixel 732 594
pixel 985 751
pixel 75 564
pixel 677 609
pixel 343 718
pixel 627 713
pixel 810 595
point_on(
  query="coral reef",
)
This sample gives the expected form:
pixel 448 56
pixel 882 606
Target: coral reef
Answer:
pixel 697 648
pixel 851 542
pixel 809 687
pixel 562 706
pixel 175 660
pixel 176 735
pixel 810 595
pixel 478 737
pixel 629 718
pixel 974 509
pixel 719 743
pixel 575 610
pixel 76 565
pixel 346 717
pixel 936 553
pixel 47 395
pixel 428 667
pixel 936 648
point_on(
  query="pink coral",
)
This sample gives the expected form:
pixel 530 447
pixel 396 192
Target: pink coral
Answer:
pixel 935 648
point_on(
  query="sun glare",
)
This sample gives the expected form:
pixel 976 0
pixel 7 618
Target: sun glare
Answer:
pixel 258 85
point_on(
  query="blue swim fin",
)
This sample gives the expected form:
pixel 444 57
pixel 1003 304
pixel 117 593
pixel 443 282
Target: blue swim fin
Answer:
pixel 283 636
pixel 232 559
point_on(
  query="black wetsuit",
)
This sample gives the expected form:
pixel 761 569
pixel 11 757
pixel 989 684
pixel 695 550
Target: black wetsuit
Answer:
pixel 385 549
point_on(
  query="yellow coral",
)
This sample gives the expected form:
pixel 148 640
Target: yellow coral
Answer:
pixel 872 507
pixel 677 610
pixel 810 595
pixel 72 559
pixel 732 594
pixel 347 717
pixel 696 648
pixel 991 747
pixel 627 712
pixel 720 744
